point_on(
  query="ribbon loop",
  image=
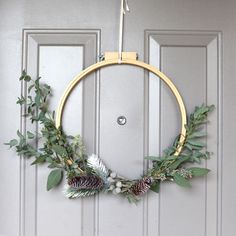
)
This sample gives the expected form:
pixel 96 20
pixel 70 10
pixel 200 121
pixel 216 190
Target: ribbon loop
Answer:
pixel 123 9
pixel 126 8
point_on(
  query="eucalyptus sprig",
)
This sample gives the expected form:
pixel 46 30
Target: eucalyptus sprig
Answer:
pixel 58 148
pixel 88 175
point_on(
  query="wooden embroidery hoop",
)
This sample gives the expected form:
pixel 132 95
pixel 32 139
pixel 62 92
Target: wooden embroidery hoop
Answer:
pixel 127 58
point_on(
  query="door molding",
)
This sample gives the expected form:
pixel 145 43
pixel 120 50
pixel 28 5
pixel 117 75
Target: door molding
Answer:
pixel 32 40
pixel 155 43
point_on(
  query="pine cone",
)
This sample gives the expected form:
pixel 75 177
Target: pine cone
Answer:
pixel 142 186
pixel 86 182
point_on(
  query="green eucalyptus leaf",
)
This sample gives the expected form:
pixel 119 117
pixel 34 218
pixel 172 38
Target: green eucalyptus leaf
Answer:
pixel 54 178
pixel 53 139
pixel 153 158
pixel 49 159
pixel 180 180
pixel 24 76
pixel 20 135
pixel 74 165
pixel 169 158
pixel 197 135
pixel 41 116
pixel 206 155
pixel 195 143
pixel 197 156
pixel 197 160
pixel 78 172
pixel 54 165
pixel 169 151
pixel 188 146
pixel 21 100
pixel 176 142
pixel 200 111
pixel 197 171
pixel 211 108
pixel 22 138
pixel 61 151
pixel 155 186
pixel 179 160
pixel 39 160
pixel 12 143
pixel 36 83
pixel 197 148
pixel 30 135
pixel 27 78
pixel 37 99
pixel 30 88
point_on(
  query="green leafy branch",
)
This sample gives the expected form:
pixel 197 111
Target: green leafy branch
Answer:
pixel 57 148
pixel 170 166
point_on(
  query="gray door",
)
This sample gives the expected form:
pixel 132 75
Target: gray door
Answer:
pixel 190 41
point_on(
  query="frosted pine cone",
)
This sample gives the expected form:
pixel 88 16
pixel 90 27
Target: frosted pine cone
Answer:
pixel 86 182
pixel 142 186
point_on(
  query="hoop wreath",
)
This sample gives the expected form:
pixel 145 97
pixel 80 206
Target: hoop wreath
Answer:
pixel 88 175
pixel 125 61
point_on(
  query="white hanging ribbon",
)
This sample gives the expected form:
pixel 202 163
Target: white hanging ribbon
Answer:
pixel 123 9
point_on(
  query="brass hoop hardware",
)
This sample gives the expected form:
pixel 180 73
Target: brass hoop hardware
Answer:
pixel 112 58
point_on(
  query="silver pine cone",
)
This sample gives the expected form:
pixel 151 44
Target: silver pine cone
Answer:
pixel 86 182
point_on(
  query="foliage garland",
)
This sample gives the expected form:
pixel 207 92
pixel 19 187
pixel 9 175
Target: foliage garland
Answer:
pixel 88 175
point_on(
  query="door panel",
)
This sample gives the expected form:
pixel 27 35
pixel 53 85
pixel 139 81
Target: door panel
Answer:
pixel 192 42
pixel 188 58
pixel 68 51
pixel 71 58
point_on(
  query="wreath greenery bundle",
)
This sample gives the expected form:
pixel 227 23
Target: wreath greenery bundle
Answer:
pixel 88 175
